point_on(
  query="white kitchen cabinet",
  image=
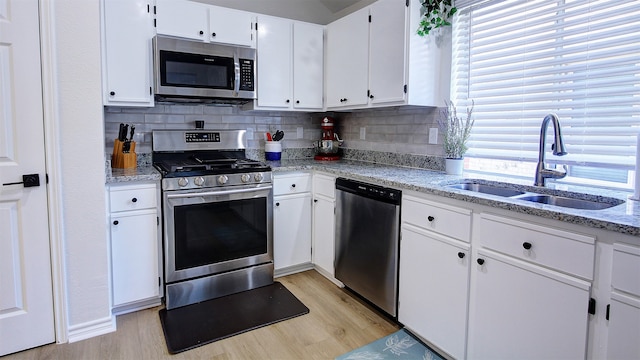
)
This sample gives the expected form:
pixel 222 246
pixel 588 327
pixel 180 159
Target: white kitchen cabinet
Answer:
pixel 135 246
pixel 126 59
pixel 290 70
pixel 208 23
pixel 530 290
pixel 375 58
pixel 434 287
pixel 291 222
pixel 324 224
pixel 434 272
pixel 348 61
pixel 623 312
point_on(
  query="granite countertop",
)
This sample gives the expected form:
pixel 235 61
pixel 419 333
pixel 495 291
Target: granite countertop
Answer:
pixel 623 218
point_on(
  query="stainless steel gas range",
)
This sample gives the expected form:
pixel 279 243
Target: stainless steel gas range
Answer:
pixel 217 215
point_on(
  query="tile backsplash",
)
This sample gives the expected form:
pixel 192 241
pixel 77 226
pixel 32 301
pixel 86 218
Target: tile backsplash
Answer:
pixel 395 132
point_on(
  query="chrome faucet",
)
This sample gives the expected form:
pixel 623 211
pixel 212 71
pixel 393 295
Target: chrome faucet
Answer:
pixel 543 173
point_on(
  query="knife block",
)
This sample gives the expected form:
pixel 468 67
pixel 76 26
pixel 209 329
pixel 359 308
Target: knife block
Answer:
pixel 122 160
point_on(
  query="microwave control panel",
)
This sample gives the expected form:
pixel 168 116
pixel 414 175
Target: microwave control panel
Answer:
pixel 246 74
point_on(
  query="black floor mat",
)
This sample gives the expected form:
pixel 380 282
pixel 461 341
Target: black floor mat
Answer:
pixel 195 325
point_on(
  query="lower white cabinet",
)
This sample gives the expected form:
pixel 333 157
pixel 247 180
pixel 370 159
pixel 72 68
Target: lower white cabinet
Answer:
pixel 135 246
pixel 433 288
pixel 623 312
pixel 291 222
pixel 324 224
pixel 525 302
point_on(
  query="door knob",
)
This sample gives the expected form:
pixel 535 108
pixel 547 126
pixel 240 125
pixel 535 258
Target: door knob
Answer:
pixel 29 180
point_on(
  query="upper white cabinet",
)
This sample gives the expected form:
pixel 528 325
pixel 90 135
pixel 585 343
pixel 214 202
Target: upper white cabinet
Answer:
pixel 348 60
pixel 290 65
pixel 127 33
pixel 375 58
pixel 197 21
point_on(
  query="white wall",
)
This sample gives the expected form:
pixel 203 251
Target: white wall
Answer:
pixel 80 150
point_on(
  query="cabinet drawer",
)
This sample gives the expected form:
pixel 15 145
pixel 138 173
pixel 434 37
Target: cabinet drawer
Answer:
pixel 132 197
pixel 626 267
pixel 564 251
pixel 324 185
pixel 285 184
pixel 441 218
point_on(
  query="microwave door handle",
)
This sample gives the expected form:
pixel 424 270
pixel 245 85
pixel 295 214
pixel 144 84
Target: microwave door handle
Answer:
pixel 236 64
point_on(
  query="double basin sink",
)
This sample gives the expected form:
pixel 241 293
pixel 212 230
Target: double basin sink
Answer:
pixel 566 200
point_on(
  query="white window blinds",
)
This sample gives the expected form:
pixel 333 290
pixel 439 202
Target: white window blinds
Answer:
pixel 520 60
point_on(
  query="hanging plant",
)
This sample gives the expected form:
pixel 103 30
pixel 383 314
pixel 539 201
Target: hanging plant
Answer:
pixel 435 14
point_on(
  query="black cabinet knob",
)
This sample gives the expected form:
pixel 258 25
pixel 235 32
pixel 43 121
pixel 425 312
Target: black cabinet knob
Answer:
pixel 288 101
pixel 134 200
pixel 526 245
pixel 430 218
pixel 370 96
pixel 315 200
pixel 277 204
pixel 297 101
pixel 293 185
pixel 461 255
pixel 201 32
pixel 480 261
pixel 116 222
pixel 112 93
pixel 213 34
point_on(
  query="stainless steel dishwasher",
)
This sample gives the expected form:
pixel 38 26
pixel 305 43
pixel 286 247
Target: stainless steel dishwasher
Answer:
pixel 367 241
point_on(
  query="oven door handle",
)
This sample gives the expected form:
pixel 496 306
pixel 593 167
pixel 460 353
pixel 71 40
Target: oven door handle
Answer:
pixel 211 193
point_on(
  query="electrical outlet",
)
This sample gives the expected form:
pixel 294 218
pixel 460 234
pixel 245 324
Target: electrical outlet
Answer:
pixel 300 132
pixel 363 133
pixel 433 135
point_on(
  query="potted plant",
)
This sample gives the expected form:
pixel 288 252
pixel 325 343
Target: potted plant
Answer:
pixel 455 134
pixel 435 14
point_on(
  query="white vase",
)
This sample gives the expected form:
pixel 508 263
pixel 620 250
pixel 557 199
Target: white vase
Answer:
pixel 454 166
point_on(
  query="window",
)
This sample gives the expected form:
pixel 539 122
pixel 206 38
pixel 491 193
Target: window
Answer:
pixel 521 60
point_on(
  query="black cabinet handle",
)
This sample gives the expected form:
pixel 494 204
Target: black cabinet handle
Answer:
pixel 277 204
pixel 461 255
pixel 201 32
pixel 526 245
pixel 297 101
pixel 480 261
pixel 370 96
pixel 112 93
pixel 288 101
pixel 293 185
pixel 134 200
pixel 430 218
pixel 315 200
pixel 213 34
pixel 116 222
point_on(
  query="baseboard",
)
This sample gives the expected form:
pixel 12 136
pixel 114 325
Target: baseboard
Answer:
pixel 92 328
pixel 140 305
pixel 292 269
pixel 330 277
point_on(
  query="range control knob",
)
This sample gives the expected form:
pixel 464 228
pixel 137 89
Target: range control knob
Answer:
pixel 183 182
pixel 258 177
pixel 222 179
pixel 245 178
pixel 199 181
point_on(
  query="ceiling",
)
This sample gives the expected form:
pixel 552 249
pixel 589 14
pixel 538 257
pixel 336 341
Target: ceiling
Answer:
pixel 314 11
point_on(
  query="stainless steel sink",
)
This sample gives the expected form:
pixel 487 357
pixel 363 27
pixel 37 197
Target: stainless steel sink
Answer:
pixel 487 189
pixel 568 202
pixel 531 194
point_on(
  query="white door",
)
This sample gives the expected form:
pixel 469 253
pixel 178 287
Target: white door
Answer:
pixel 26 300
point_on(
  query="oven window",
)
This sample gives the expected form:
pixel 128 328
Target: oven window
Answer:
pixel 198 71
pixel 219 231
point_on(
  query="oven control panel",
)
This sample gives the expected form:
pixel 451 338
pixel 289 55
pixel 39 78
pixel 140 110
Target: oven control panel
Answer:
pixel 199 137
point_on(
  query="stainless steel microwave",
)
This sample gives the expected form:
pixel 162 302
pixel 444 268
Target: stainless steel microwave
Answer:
pixel 186 70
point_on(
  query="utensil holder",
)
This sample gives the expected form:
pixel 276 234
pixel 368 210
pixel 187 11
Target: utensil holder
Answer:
pixel 272 150
pixel 122 160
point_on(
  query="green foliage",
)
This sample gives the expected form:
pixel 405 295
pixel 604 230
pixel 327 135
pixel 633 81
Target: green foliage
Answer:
pixel 435 14
pixel 455 131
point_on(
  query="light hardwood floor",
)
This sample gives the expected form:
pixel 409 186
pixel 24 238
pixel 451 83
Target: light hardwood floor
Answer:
pixel 337 322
